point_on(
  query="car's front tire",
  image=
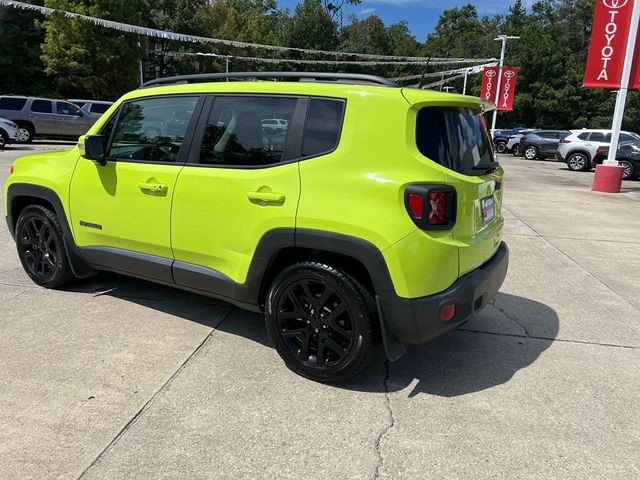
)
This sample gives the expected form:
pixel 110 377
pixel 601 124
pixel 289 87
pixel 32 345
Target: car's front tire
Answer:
pixel 530 153
pixel 321 321
pixel 578 162
pixel 40 244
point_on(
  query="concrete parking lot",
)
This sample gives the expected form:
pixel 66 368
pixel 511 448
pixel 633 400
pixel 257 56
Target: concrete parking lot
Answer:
pixel 117 378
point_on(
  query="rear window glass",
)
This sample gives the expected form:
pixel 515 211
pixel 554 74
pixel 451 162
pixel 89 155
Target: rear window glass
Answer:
pixel 99 108
pixel 9 103
pixel 324 122
pixel 583 136
pixel 456 138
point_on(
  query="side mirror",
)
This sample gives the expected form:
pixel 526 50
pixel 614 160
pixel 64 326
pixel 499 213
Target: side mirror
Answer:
pixel 94 149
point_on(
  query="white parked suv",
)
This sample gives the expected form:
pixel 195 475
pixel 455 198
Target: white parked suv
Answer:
pixel 579 148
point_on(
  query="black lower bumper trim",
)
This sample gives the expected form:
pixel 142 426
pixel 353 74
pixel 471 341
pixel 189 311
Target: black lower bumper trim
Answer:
pixel 417 320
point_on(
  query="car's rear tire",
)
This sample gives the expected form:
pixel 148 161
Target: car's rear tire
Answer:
pixel 40 244
pixel 501 147
pixel 629 170
pixel 578 162
pixel 516 150
pixel 321 321
pixel 26 133
pixel 530 152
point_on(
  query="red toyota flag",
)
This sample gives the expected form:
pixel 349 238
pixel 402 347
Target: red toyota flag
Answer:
pixel 608 44
pixel 489 84
pixel 507 88
pixel 634 80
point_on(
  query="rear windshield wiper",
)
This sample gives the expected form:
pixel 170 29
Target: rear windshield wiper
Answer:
pixel 489 167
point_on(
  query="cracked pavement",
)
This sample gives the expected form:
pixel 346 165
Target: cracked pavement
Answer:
pixel 119 378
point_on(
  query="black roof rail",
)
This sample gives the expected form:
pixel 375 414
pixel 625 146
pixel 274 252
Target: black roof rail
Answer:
pixel 349 78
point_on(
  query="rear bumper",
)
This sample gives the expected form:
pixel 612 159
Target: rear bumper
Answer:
pixel 417 320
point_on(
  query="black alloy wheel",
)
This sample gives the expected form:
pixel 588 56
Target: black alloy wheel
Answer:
pixel 39 241
pixel 320 320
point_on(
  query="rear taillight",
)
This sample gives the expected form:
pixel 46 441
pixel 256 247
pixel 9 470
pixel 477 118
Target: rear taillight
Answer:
pixel 431 207
pixel 523 138
pixel 602 150
pixel 564 140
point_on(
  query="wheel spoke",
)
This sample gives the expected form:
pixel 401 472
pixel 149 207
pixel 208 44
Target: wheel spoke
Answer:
pixel 307 293
pixel 328 291
pixel 298 308
pixel 296 333
pixel 304 348
pixel 320 356
pixel 333 345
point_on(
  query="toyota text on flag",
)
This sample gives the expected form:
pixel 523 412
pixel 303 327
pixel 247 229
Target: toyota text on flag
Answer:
pixel 607 48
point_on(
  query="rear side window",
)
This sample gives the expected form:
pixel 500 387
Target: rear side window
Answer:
pixel 99 108
pixel 42 106
pixel 583 136
pixel 9 103
pixel 547 134
pixel 600 137
pixel 322 130
pixel 241 131
pixel 456 138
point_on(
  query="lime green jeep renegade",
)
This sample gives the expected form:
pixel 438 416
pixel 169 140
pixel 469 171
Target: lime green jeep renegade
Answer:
pixel 373 210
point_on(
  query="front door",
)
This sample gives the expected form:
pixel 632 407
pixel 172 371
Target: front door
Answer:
pixel 243 183
pixel 70 121
pixel 121 211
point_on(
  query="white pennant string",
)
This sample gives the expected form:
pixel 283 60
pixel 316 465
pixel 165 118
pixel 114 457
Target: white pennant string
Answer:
pixel 152 32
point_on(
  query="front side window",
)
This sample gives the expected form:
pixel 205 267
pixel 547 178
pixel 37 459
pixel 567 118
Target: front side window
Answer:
pixel 456 138
pixel 99 108
pixel 151 129
pixel 247 131
pixel 64 108
pixel 322 130
pixel 42 106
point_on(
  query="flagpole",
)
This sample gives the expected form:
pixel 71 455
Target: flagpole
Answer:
pixel 621 97
pixel 503 39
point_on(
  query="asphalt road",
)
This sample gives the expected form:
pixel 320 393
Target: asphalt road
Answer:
pixel 118 378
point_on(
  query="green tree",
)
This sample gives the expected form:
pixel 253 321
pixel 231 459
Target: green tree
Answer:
pixel 85 60
pixel 312 27
pixel 20 64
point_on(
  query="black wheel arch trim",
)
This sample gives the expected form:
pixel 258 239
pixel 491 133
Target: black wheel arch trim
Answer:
pixel 79 265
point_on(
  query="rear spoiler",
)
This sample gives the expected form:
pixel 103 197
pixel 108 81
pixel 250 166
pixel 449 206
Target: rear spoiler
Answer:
pixel 488 106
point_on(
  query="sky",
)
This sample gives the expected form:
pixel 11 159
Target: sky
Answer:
pixel 422 15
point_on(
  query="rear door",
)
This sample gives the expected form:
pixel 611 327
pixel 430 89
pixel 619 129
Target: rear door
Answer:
pixel 242 182
pixel 43 117
pixel 549 143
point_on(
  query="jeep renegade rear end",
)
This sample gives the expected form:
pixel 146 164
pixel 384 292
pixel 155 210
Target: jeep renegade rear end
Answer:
pixel 373 207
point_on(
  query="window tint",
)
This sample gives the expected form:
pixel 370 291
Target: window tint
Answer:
pixel 598 137
pixel 64 108
pixel 583 136
pixel 9 103
pixel 42 106
pixel 456 138
pixel 547 134
pixel 625 137
pixel 99 108
pixel 151 129
pixel 240 131
pixel 322 130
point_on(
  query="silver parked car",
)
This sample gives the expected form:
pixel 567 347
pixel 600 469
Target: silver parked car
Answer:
pixel 8 132
pixel 44 117
pixel 91 107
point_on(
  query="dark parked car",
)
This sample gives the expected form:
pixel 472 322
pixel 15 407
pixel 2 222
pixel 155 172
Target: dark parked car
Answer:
pixel 628 155
pixel 541 143
pixel 501 138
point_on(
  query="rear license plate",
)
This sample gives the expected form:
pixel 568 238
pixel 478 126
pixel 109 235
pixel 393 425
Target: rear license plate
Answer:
pixel 488 209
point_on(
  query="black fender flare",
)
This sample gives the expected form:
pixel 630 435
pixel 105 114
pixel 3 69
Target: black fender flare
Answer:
pixel 78 264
